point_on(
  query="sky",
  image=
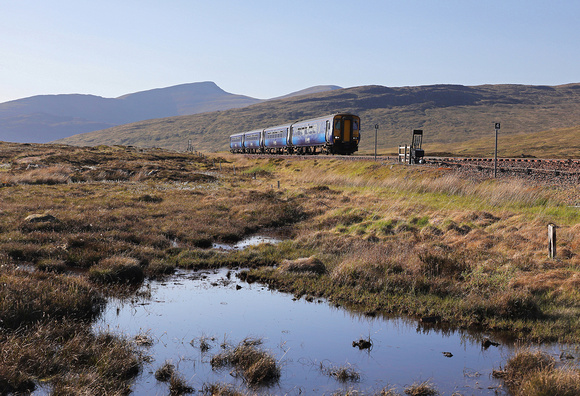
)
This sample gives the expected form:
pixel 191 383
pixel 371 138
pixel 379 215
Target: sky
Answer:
pixel 269 48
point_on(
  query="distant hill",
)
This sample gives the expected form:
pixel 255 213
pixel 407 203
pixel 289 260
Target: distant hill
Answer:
pixel 448 114
pixel 45 118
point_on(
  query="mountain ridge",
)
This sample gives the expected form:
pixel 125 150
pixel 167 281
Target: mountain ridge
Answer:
pixel 44 118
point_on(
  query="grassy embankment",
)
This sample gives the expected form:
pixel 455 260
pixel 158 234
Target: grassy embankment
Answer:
pixel 386 240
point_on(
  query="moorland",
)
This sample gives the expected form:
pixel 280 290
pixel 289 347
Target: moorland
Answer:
pixel 81 224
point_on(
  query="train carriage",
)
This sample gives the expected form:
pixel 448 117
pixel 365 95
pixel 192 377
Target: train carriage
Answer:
pixel 308 136
pixel 276 139
pixel 253 142
pixel 237 143
pixel 334 134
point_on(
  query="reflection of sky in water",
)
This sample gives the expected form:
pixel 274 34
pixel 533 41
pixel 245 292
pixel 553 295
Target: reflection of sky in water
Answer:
pixel 254 240
pixel 300 334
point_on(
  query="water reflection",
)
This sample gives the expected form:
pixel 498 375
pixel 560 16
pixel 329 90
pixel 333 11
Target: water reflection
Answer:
pixel 244 243
pixel 305 338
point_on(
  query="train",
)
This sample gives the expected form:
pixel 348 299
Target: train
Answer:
pixel 332 134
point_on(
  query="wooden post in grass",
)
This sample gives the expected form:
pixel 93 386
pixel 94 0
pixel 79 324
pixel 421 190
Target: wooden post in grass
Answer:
pixel 552 240
pixel 234 170
pixel 278 184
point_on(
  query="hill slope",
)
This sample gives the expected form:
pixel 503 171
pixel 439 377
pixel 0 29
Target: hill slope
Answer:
pixel 448 114
pixel 45 118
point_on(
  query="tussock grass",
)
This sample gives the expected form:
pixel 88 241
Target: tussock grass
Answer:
pixel 303 265
pixel 220 390
pixel 421 389
pixel 69 356
pixel 165 372
pixel 27 298
pixel 344 373
pixel 532 372
pixel 57 174
pixel 255 366
pixel 117 269
pixel 561 382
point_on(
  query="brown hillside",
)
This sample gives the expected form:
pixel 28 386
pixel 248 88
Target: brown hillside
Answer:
pixel 449 115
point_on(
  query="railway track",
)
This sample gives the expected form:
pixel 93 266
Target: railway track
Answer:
pixel 540 169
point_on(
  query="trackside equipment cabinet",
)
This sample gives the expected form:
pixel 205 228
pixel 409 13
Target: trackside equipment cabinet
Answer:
pixel 413 154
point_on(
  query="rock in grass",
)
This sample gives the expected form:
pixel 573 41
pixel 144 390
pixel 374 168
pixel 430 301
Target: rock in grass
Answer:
pixel 303 265
pixel 40 218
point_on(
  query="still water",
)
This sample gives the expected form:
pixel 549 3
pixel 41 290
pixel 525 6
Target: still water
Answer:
pixel 302 335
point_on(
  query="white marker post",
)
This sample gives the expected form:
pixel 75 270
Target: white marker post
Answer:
pixel 497 125
pixel 376 133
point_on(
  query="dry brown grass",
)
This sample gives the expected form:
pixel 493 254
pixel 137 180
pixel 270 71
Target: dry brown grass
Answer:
pixel 524 364
pixel 343 373
pixel 117 269
pixel 58 174
pixel 68 355
pixel 421 389
pixel 257 367
pixel 27 298
pixel 561 382
pixel 303 265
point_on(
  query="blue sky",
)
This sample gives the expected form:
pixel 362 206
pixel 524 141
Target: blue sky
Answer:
pixel 268 48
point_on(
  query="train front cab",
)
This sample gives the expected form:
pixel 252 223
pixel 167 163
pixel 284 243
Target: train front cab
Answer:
pixel 345 133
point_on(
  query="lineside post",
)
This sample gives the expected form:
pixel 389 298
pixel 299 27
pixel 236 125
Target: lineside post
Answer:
pixel 376 134
pixel 497 126
pixel 552 240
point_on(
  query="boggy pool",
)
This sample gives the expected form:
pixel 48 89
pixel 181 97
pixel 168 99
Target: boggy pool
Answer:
pixel 307 338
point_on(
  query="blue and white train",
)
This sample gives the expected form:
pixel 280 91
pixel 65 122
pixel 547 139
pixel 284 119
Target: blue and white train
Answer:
pixel 333 134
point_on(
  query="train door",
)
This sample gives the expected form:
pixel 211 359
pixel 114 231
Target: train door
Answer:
pixel 346 130
pixel 343 129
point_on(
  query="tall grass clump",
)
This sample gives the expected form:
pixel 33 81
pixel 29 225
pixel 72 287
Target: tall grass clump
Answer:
pixel 256 366
pixel 524 365
pixel 27 298
pixel 344 373
pixel 117 269
pixel 561 382
pixel 57 174
pixel 68 356
pixel 421 389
